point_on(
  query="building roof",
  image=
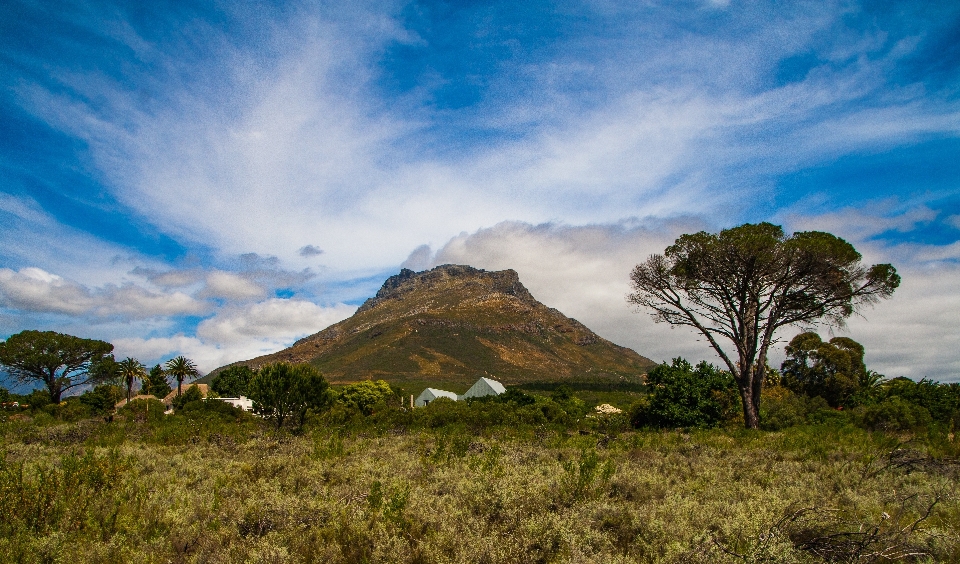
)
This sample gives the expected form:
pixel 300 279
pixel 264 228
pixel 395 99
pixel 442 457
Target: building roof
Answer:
pixel 123 402
pixel 204 391
pixel 438 394
pixel 485 387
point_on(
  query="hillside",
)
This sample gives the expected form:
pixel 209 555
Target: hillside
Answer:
pixel 453 324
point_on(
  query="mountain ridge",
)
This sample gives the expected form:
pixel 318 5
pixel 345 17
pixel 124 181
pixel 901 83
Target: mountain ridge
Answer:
pixel 454 323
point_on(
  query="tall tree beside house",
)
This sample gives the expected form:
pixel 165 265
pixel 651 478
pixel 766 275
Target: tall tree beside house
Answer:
pixel 232 382
pixel 181 368
pixel 156 382
pixel 743 284
pixel 57 361
pixel 131 370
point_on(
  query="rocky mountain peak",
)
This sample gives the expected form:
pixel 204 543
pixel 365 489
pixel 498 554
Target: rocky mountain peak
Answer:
pixel 448 277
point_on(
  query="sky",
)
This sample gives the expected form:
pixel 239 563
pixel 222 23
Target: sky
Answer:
pixel 218 179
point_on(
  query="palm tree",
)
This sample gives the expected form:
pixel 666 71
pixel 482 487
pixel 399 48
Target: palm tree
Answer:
pixel 130 370
pixel 180 368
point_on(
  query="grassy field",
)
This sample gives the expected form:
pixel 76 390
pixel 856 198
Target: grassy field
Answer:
pixel 207 489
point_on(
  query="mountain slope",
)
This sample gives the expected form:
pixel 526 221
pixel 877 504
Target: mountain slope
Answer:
pixel 453 324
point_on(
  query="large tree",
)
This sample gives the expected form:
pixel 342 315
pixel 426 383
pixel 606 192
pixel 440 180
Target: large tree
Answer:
pixel 59 362
pixel 181 368
pixel 745 283
pixel 280 391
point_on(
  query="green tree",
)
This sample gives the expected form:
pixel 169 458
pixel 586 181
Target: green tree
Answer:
pixel 282 391
pixel 156 383
pixel 59 362
pixel 365 395
pixel 181 368
pixel 833 370
pixel 232 382
pixel 745 283
pixel 193 394
pixel 686 396
pixel 102 399
pixel 131 370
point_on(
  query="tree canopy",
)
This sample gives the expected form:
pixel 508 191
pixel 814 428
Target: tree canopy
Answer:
pixel 181 368
pixel 282 390
pixel 743 284
pixel 131 370
pixel 156 383
pixel 57 361
pixel 833 370
pixel 232 381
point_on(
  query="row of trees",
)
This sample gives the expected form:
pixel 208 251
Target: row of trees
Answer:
pixel 61 363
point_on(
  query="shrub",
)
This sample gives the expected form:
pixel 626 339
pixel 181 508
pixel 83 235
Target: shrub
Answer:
pixel 781 408
pixel 684 396
pixel 282 390
pixel 143 410
pixel 894 414
pixel 102 399
pixel 941 400
pixel 192 394
pixel 365 396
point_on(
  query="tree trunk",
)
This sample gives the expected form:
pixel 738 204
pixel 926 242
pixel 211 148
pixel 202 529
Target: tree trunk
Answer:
pixel 751 417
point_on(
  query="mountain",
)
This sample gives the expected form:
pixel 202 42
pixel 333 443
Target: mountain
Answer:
pixel 453 324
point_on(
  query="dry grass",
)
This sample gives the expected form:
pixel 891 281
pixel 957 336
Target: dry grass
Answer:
pixel 202 491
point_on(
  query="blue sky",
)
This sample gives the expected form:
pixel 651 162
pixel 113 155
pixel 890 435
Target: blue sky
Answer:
pixel 219 179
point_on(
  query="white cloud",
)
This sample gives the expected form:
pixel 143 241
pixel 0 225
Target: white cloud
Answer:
pixel 238 333
pixel 688 126
pixel 276 320
pixel 36 290
pixel 231 286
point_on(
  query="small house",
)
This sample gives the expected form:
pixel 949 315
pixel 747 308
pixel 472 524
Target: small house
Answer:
pixel 431 394
pixel 484 387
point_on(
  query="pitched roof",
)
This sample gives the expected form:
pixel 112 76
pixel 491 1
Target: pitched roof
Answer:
pixel 204 391
pixel 123 402
pixel 485 387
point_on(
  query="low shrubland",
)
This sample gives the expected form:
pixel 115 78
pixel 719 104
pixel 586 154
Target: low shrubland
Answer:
pixel 530 476
pixel 522 480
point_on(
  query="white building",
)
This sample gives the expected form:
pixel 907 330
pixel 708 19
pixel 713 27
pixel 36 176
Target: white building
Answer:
pixel 242 402
pixel 431 394
pixel 484 387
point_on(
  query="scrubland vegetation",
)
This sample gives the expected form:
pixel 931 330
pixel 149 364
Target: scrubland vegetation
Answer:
pixel 521 478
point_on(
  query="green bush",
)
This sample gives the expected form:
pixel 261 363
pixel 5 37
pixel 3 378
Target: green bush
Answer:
pixel 284 391
pixel 781 408
pixel 366 396
pixel 894 414
pixel 149 410
pixel 70 409
pixel 684 396
pixel 102 399
pixel 191 395
pixel 942 401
